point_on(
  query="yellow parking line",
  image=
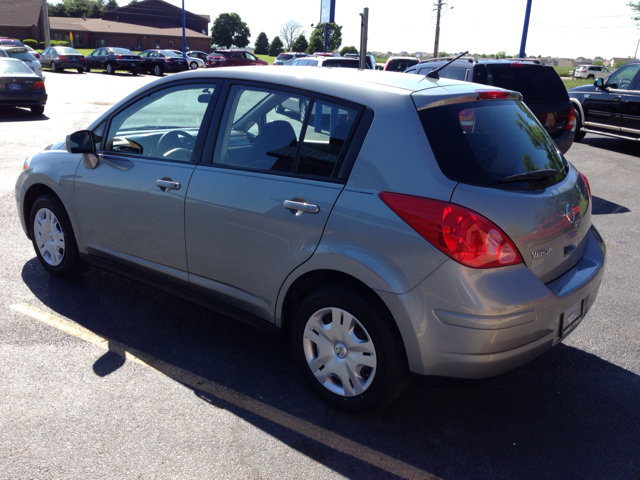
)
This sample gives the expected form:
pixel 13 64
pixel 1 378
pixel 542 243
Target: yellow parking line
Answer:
pixel 293 423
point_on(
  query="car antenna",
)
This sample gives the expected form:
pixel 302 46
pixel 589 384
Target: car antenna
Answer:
pixel 434 73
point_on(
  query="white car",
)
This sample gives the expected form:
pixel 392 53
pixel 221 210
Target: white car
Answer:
pixel 22 53
pixel 193 62
pixel 591 72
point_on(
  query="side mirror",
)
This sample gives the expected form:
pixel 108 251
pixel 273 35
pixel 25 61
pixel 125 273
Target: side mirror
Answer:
pixel 599 83
pixel 81 142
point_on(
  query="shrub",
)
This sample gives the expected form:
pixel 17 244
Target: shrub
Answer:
pixel 59 43
pixel 30 42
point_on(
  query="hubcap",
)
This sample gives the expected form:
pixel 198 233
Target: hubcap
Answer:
pixel 49 237
pixel 339 352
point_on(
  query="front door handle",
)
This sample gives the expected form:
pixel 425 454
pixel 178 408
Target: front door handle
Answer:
pixel 167 184
pixel 300 206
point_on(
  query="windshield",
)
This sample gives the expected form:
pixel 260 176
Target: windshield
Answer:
pixel 13 67
pixel 67 50
pixel 483 143
pixel 122 51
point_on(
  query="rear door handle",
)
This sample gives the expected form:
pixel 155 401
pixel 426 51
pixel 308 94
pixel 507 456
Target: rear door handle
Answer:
pixel 300 206
pixel 167 184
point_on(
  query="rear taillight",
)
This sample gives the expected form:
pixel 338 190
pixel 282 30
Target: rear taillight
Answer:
pixel 517 65
pixel 62 57
pixel 168 60
pixel 571 124
pixel 119 57
pixel 586 182
pixel 82 59
pixel 460 233
pixel 38 85
pixel 493 94
pixel 35 54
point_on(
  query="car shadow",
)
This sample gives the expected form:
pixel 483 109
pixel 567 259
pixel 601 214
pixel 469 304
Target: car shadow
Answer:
pixel 600 206
pixel 618 145
pixel 568 414
pixel 15 114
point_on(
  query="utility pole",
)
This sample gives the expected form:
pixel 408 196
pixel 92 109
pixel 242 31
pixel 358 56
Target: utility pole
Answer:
pixel 364 27
pixel 435 46
pixel 525 30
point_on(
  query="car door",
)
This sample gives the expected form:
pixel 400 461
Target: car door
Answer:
pixel 93 59
pixel 258 209
pixel 44 57
pixel 131 206
pixel 630 118
pixel 603 108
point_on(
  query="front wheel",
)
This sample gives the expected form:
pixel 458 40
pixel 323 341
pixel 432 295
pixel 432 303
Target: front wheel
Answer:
pixel 193 65
pixel 53 67
pixel 81 70
pixel 349 349
pixel 157 70
pixel 110 69
pixel 53 238
pixel 579 135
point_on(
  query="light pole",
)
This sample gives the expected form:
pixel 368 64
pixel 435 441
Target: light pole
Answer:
pixel 184 38
pixel 635 55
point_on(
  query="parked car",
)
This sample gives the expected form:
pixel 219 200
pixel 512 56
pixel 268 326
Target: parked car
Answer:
pixel 335 62
pixel 541 86
pixel 12 42
pixel 288 57
pixel 374 258
pixel 159 62
pixel 20 87
pixel 611 106
pixel 33 52
pixel 369 59
pixel 113 59
pixel 591 72
pixel 192 62
pixel 400 64
pixel 21 53
pixel 198 54
pixel 59 58
pixel 232 58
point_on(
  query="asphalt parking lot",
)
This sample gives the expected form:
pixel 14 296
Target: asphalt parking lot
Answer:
pixel 101 377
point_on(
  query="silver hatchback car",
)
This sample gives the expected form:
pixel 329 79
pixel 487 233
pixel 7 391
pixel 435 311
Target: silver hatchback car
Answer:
pixel 464 247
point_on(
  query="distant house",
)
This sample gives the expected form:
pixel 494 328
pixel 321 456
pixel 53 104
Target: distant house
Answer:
pixel 617 62
pixel 567 62
pixel 22 19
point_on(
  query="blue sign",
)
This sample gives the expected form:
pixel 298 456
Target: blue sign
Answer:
pixel 327 11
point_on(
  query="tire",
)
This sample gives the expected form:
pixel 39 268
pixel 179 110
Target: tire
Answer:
pixel 53 238
pixel 134 72
pixel 87 69
pixel 193 65
pixel 109 69
pixel 81 70
pixel 579 135
pixel 363 380
pixel 157 70
pixel 39 110
pixel 53 67
pixel 590 77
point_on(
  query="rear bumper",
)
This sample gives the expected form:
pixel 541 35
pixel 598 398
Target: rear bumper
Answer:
pixel 71 64
pixel 468 323
pixel 22 99
pixel 564 141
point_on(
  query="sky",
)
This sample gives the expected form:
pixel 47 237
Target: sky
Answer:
pixel 557 28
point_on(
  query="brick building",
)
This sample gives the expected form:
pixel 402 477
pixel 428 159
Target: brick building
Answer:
pixel 22 19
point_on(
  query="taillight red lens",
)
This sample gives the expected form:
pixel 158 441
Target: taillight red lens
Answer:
pixel 571 124
pixel 493 94
pixel 62 57
pixel 517 65
pixel 82 59
pixel 460 233
pixel 37 55
pixel 168 60
pixel 586 182
pixel 119 57
pixel 38 86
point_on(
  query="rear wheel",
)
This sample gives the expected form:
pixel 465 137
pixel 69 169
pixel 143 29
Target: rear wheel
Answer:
pixel 349 349
pixel 87 69
pixel 109 69
pixel 134 72
pixel 579 135
pixel 590 77
pixel 81 70
pixel 39 110
pixel 53 67
pixel 53 238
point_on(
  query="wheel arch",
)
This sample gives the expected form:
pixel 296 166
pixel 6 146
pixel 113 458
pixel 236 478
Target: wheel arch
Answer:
pixel 578 105
pixel 31 195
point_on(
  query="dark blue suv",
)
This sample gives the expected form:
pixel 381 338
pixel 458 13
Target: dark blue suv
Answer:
pixel 540 85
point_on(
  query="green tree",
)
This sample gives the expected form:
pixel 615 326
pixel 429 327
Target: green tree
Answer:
pixel 77 8
pixel 276 47
pixel 334 36
pixel 300 45
pixel 598 62
pixel 501 54
pixel 111 5
pixel 346 50
pixel 262 44
pixel 316 44
pixel 229 29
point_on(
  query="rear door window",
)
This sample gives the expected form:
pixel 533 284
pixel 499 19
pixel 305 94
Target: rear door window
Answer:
pixel 483 143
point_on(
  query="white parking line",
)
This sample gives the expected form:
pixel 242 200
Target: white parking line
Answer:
pixel 293 423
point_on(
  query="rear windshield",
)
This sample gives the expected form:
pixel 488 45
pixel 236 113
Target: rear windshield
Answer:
pixel 67 50
pixel 482 143
pixel 122 51
pixel 341 64
pixel 21 55
pixel 13 67
pixel 398 65
pixel 536 83
pixel 283 56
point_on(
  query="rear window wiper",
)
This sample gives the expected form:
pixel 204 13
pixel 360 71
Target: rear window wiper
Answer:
pixel 534 175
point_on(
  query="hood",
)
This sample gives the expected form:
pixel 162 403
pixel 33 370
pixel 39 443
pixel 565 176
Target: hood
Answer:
pixel 582 89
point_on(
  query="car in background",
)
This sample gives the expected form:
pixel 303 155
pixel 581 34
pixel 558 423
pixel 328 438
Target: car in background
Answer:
pixel 232 58
pixel 59 58
pixel 192 62
pixel 21 53
pixel 112 59
pixel 369 59
pixel 400 64
pixel 374 258
pixel 610 106
pixel 8 41
pixel 326 54
pixel 20 87
pixel 159 62
pixel 33 52
pixel 540 85
pixel 288 57
pixel 335 62
pixel 197 54
pixel 591 72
